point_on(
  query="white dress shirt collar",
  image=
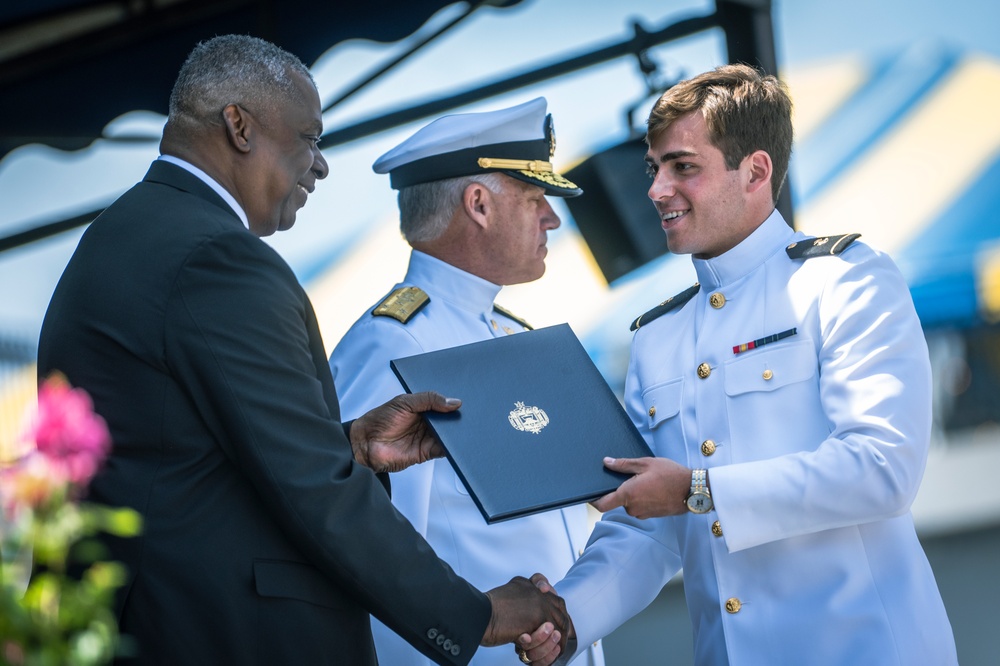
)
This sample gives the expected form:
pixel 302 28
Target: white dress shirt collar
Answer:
pixel 211 182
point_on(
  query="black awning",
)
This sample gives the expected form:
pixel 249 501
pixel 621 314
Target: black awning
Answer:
pixel 69 67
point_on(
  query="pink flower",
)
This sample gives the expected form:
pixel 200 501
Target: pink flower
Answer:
pixel 65 429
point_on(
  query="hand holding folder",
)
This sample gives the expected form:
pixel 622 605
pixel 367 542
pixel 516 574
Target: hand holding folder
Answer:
pixel 659 488
pixel 537 420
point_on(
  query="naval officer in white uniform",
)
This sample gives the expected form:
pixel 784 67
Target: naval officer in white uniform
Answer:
pixel 787 397
pixel 472 204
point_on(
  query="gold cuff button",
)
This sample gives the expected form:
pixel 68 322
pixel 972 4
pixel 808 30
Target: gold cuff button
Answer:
pixel 717 300
pixel 707 447
pixel 733 605
pixel 767 375
pixel 652 411
pixel 717 528
pixel 494 324
pixel 704 370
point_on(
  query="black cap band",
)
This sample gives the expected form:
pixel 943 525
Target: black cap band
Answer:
pixel 465 162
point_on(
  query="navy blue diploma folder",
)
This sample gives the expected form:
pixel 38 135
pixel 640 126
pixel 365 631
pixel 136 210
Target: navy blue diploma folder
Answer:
pixel 537 419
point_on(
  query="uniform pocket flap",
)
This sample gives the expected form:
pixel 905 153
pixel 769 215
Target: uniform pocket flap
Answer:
pixel 662 401
pixel 770 369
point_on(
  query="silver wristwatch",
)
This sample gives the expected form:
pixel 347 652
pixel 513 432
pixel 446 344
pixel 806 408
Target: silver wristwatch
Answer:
pixel 699 500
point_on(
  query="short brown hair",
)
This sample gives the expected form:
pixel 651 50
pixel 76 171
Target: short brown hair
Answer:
pixel 744 111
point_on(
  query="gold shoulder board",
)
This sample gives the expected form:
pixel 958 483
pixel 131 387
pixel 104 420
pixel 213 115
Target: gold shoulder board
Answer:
pixel 402 304
pixel 510 315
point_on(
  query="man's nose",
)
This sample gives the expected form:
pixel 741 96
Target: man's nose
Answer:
pixel 662 187
pixel 550 220
pixel 320 167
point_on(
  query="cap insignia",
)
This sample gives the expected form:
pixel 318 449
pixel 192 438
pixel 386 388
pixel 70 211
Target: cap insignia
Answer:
pixel 550 132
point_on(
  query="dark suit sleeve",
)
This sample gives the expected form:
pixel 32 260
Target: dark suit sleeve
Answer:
pixel 241 340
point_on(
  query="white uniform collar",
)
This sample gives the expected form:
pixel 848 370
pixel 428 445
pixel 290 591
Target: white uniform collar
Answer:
pixel 771 236
pixel 211 182
pixel 451 284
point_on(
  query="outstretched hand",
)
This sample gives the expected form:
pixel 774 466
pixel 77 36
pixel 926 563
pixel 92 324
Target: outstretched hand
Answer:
pixel 522 612
pixel 395 435
pixel 659 487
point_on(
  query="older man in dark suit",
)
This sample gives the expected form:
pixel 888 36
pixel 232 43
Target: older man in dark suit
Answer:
pixel 267 537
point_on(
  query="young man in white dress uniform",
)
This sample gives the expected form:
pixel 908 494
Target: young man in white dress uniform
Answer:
pixel 787 398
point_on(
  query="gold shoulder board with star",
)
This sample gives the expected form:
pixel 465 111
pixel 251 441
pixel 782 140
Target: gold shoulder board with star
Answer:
pixel 510 315
pixel 402 304
pixel 665 307
pixel 825 246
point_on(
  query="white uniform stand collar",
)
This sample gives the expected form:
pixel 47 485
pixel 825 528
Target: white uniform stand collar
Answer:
pixel 462 289
pixel 771 236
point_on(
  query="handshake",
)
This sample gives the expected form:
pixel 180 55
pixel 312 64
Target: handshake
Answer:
pixel 529 614
pixel 526 612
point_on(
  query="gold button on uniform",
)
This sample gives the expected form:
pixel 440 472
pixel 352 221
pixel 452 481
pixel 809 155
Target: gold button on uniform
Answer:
pixel 717 528
pixel 652 411
pixel 767 375
pixel 716 300
pixel 707 447
pixel 733 605
pixel 704 370
pixel 493 322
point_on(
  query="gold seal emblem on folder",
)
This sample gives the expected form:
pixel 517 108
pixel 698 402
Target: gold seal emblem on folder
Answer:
pixel 528 419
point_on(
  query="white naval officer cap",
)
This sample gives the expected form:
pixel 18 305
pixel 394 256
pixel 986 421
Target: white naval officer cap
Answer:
pixel 518 141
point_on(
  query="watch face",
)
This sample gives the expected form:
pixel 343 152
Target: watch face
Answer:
pixel 699 502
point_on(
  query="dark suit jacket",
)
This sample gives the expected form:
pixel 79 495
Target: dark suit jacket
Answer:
pixel 264 542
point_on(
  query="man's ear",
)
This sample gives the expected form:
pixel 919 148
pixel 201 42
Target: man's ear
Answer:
pixel 238 127
pixel 760 170
pixel 477 200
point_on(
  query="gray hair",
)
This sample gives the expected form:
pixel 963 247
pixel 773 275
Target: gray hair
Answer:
pixel 426 209
pixel 233 69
